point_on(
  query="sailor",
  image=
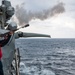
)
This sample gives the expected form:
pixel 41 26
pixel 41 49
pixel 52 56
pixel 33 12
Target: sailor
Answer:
pixel 3 42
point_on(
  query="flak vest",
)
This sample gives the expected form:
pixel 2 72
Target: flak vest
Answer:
pixel 2 44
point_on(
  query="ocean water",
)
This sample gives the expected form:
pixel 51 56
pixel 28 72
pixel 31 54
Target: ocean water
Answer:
pixel 47 56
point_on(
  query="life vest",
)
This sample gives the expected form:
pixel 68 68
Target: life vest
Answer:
pixel 3 43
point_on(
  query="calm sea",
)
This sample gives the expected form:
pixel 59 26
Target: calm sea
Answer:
pixel 47 56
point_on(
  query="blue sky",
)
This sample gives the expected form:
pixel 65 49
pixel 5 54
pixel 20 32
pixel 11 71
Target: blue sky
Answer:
pixel 58 26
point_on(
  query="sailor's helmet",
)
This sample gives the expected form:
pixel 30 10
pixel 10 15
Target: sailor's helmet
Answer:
pixel 12 26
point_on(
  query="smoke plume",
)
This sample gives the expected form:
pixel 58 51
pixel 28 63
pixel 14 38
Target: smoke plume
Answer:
pixel 24 16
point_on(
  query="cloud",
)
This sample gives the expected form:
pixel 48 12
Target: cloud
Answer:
pixel 25 16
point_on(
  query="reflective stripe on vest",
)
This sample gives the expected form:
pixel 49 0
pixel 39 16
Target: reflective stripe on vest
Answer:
pixel 0 53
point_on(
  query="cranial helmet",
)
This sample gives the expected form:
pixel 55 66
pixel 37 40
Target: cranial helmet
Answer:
pixel 12 26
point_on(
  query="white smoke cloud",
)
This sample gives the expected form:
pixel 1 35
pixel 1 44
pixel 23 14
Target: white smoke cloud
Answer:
pixel 24 16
